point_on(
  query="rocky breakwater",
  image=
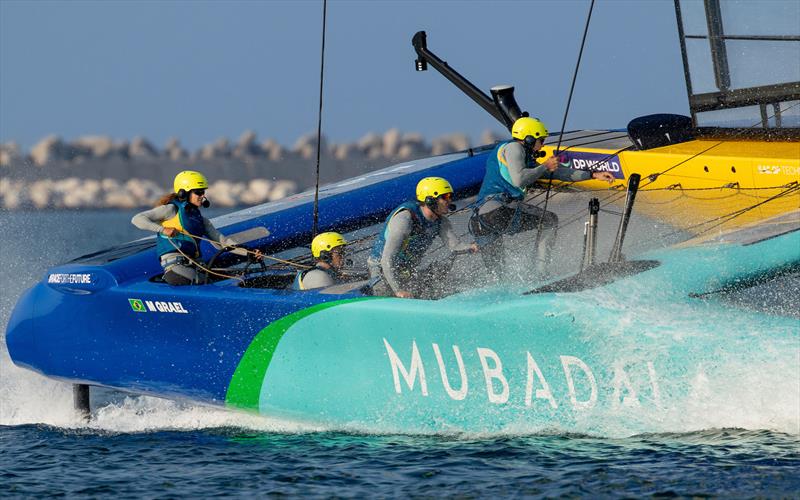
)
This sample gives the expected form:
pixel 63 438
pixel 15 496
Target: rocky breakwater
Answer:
pixel 100 172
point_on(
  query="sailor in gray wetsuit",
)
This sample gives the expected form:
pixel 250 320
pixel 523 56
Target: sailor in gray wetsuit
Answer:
pixel 500 208
pixel 328 250
pixel 178 222
pixel 409 231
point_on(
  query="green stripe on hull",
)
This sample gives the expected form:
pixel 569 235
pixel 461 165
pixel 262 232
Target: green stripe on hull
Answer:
pixel 244 390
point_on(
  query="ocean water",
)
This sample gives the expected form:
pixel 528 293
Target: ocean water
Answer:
pixel 144 446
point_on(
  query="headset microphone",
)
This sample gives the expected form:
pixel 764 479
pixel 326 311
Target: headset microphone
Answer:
pixel 206 203
pixel 451 207
pixel 528 144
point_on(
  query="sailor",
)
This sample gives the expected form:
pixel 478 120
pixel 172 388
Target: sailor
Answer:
pixel 178 223
pixel 328 249
pixel 408 232
pixel 500 208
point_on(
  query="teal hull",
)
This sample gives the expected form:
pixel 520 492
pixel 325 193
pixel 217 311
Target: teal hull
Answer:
pixel 630 355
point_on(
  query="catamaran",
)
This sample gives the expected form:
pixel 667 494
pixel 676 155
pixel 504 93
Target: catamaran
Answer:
pixel 630 337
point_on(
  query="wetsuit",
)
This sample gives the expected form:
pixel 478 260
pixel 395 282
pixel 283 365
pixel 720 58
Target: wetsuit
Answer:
pixel 317 277
pixel 178 269
pixel 398 250
pixel 500 208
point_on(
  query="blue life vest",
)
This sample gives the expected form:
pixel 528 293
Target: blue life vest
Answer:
pixel 423 232
pixel 298 278
pixel 497 180
pixel 189 220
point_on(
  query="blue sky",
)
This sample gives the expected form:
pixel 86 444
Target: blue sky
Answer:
pixel 200 70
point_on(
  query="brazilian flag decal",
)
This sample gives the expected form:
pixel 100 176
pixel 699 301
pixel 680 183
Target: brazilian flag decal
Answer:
pixel 137 305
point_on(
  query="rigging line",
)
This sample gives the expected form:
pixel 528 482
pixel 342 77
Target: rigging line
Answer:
pixel 722 219
pixel 613 196
pixel 314 226
pixel 652 177
pixel 604 139
pixel 712 188
pixel 684 176
pixel 715 198
pixel 729 217
pixel 601 160
pixel 579 215
pixel 590 134
pixel 564 122
pixel 283 264
pixel 564 187
pixel 250 252
pixel 200 266
pixel 575 74
pixel 680 196
pixel 582 144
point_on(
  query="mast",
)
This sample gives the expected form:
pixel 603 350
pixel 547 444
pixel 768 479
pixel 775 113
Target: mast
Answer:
pixel 742 75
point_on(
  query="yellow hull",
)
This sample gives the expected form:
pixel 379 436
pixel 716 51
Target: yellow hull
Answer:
pixel 694 184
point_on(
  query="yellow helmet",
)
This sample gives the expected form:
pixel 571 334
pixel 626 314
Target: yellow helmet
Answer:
pixel 432 187
pixel 527 126
pixel 325 242
pixel 188 180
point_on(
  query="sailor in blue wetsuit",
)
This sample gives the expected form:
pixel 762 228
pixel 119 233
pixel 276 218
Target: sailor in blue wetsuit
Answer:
pixel 328 250
pixel 178 222
pixel 408 233
pixel 500 208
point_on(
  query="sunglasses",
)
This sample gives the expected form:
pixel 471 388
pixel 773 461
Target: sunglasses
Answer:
pixel 199 192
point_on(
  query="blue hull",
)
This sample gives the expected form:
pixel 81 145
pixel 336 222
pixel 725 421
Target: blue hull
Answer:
pixel 636 342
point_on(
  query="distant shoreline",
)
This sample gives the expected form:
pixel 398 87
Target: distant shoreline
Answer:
pixel 98 172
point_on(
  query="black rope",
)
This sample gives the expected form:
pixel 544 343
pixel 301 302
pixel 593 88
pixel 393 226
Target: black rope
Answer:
pixel 575 74
pixel 604 139
pixel 564 122
pixel 591 135
pixel 314 226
